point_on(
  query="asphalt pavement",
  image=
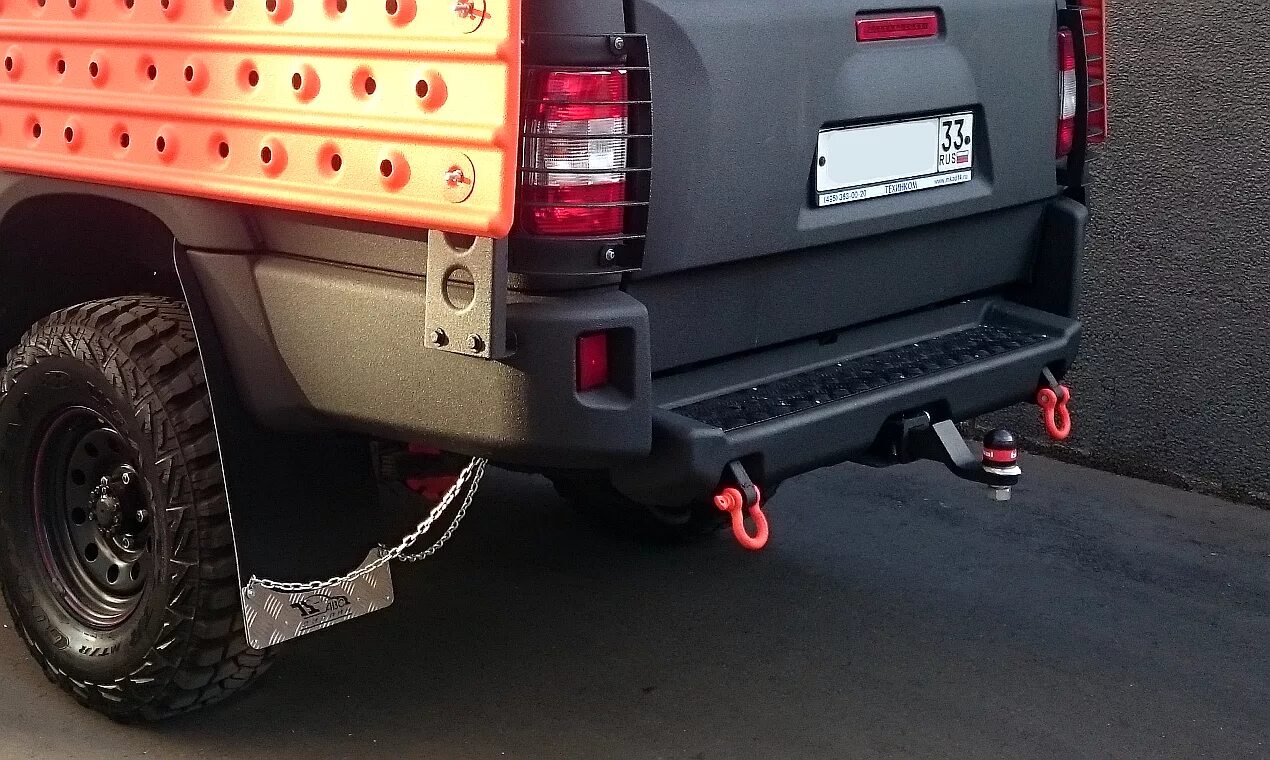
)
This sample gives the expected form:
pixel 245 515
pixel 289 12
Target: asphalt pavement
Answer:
pixel 896 614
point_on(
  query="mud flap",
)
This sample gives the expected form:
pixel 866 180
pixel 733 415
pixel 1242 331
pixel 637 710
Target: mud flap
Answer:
pixel 302 506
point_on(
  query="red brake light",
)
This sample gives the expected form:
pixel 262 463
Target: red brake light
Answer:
pixel 575 153
pixel 1066 92
pixel 593 361
pixel 1094 19
pixel 906 26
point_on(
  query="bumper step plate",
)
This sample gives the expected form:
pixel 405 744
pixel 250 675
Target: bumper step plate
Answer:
pixel 864 374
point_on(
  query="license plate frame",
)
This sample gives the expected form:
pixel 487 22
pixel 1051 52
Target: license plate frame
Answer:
pixel 868 161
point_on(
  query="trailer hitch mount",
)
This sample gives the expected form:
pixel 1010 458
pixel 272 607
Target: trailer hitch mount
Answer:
pixel 916 437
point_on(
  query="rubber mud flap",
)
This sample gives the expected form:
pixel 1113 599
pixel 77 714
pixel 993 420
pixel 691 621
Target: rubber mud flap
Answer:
pixel 302 506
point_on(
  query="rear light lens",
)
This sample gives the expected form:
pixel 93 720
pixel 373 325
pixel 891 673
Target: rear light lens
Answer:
pixel 593 361
pixel 575 153
pixel 905 26
pixel 1094 20
pixel 1066 92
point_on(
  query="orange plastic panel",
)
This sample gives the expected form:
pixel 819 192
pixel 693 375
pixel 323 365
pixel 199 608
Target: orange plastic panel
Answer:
pixel 398 111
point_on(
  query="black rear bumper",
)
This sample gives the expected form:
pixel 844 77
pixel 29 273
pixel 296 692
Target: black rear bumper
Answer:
pixel 791 410
pixel 320 346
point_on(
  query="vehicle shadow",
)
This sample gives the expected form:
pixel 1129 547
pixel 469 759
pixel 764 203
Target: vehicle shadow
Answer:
pixel 533 624
pixel 892 616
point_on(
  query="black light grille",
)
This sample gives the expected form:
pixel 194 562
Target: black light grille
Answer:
pixel 586 253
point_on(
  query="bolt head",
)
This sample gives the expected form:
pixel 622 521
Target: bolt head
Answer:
pixel 125 542
pixel 999 494
pixel 609 255
pixel 475 344
pixel 142 515
pixel 126 478
pixel 617 44
pixel 439 338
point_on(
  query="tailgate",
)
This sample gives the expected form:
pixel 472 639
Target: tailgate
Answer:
pixel 743 89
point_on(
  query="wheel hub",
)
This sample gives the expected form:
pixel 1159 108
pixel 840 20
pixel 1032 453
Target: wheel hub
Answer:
pixel 109 504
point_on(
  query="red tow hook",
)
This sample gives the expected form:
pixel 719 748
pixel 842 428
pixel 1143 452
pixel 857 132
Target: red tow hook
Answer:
pixel 431 487
pixel 1053 401
pixel 737 501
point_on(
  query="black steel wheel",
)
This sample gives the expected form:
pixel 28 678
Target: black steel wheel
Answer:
pixel 116 554
pixel 92 516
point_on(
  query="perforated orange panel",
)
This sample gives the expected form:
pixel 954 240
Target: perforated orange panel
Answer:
pixel 400 111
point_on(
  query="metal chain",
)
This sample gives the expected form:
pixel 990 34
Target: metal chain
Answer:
pixel 469 478
pixel 454 524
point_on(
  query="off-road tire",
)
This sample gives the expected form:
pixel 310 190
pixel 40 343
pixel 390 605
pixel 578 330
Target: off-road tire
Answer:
pixel 593 496
pixel 135 364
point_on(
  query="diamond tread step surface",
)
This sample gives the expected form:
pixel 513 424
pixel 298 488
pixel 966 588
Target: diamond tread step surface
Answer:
pixel 853 377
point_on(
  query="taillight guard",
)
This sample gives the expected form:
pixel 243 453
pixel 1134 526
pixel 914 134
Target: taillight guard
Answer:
pixel 582 202
pixel 1093 17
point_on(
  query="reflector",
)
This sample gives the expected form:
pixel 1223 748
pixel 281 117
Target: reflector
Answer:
pixel 593 361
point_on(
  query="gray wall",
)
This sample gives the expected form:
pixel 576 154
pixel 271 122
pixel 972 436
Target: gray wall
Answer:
pixel 1174 382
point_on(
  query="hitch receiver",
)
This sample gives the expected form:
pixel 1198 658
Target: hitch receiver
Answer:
pixel 916 437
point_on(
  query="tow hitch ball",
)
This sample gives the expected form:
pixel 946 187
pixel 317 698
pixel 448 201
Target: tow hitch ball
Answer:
pixel 916 437
pixel 1000 463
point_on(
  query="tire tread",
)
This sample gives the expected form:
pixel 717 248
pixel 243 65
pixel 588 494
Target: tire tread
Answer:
pixel 202 657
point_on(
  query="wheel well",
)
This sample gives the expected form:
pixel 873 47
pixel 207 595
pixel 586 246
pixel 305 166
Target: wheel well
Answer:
pixel 60 250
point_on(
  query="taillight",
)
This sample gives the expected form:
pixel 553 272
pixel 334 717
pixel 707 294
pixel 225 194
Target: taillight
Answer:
pixel 574 166
pixel 1093 19
pixel 1066 92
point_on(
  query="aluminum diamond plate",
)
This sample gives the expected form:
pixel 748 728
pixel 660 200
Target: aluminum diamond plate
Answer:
pixel 272 617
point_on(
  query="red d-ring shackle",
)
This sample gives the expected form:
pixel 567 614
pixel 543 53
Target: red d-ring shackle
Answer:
pixel 1058 419
pixel 732 501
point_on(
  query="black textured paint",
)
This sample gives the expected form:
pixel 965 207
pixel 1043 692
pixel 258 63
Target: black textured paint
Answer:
pixel 836 382
pixel 1174 380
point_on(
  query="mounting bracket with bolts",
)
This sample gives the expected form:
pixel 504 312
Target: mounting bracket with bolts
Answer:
pixel 466 295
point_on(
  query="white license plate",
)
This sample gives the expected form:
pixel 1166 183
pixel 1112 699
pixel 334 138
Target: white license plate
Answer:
pixel 859 163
